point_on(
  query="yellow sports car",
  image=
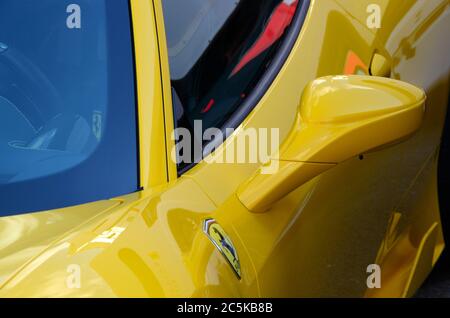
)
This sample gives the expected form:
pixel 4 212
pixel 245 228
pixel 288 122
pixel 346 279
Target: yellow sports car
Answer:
pixel 221 148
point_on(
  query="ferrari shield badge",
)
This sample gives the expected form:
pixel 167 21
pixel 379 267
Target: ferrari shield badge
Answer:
pixel 223 243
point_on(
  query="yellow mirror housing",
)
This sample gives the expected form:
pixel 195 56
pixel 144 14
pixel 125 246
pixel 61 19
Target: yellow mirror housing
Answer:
pixel 339 117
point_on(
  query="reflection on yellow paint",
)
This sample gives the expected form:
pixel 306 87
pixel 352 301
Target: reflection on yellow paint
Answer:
pixel 354 65
pixel 109 236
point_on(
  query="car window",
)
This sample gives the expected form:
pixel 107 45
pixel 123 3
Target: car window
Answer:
pixel 218 51
pixel 67 104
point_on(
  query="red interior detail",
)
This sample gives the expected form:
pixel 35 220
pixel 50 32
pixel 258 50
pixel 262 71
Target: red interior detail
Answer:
pixel 281 18
pixel 208 106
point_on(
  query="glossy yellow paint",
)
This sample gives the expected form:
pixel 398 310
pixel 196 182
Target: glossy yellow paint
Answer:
pixel 325 135
pixel 149 93
pixel 166 88
pixel 316 241
pixel 380 65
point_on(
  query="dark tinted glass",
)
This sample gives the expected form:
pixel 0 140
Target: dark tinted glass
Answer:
pixel 218 51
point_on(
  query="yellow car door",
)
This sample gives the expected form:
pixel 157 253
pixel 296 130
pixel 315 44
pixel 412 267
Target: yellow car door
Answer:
pixel 321 239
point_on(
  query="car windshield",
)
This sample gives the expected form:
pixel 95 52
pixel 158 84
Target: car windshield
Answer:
pixel 67 103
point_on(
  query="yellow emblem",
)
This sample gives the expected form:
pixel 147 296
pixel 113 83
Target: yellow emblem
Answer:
pixel 223 243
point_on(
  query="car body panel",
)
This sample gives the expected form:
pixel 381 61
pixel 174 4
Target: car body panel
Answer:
pixel 316 242
pixel 149 92
pixel 152 245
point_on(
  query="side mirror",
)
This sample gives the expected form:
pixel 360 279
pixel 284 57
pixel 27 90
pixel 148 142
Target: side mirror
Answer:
pixel 339 118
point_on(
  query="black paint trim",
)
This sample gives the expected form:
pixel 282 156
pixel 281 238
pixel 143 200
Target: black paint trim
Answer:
pixel 162 92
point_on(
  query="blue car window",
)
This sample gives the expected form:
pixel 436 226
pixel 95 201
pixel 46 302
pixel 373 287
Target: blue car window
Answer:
pixel 68 130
